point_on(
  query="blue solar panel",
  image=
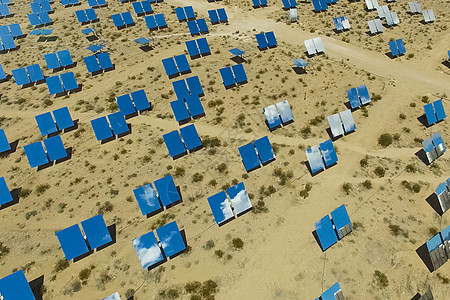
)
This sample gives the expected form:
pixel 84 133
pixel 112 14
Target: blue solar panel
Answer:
pixel 159 18
pixel 236 52
pixel 104 60
pixel 2 73
pixel 54 85
pixel 95 48
pixel 4 144
pixel 147 200
pixel 328 153
pixel 44 17
pixel 93 3
pixel 201 23
pixel 15 30
pixel 167 190
pixel 33 18
pixel 189 12
pixel 195 88
pixel 429 113
pixel 180 110
pixel 213 16
pixel 4 10
pixel 340 219
pixel 16 287
pixel 434 243
pixel 181 16
pixel 127 18
pixel 55 148
pixel 338 24
pixel 262 42
pixel 170 238
pixel 20 76
pixel 46 123
pixel 193 28
pixel 174 143
pixel 65 58
pixel 363 94
pixel 249 156
pixel 192 48
pixel 256 3
pixel 87 30
pixel 330 293
pixel 314 159
pixel 271 40
pixel 4 30
pixel 138 9
pixel 272 116
pixel 147 6
pixel 125 104
pixel 227 76
pixel 222 15
pixel 437 140
pixel 286 4
pixel 118 20
pixel 101 128
pixel 69 81
pixel 35 73
pixel 8 42
pixel 140 100
pixel 203 46
pixel 5 194
pixel 353 97
pixel 239 73
pixel 181 89
pixel 220 207
pixel 63 118
pixel 439 109
pixel 52 61
pixel 147 250
pixel 264 149
pixel 150 22
pixel 72 242
pixel 293 3
pixel 36 154
pixel 169 66
pixel 190 137
pixel 182 63
pixel 142 41
pixel 194 106
pixel 299 62
pixel 101 2
pixel 446 234
pixel 96 232
pixel 118 123
pixel 400 46
pixel 394 48
pixel 325 232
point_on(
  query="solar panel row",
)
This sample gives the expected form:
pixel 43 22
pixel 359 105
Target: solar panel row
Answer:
pixel 198 47
pixel 98 62
pixel 86 15
pixel 96 3
pixel 218 15
pixel 142 7
pixel 434 112
pixel 266 40
pixel 55 121
pixel 155 22
pixel 259 3
pixel 58 59
pixel 318 155
pixel 107 127
pixel 151 252
pixel 54 150
pixel 185 13
pixel 439 248
pixel 123 20
pixel 256 153
pixel 358 96
pixel 184 109
pixel 233 75
pixel 434 147
pixel 62 83
pixel 330 230
pixel 177 65
pixel 151 201
pixel 289 4
pixel 132 103
pixel 178 145
pixel 397 47
pixel 226 208
pixel 341 123
pixel 29 74
pixel 197 27
pixel 40 18
pixel 67 3
pixel 43 6
pixel 13 30
pixel 278 114
pixel 74 243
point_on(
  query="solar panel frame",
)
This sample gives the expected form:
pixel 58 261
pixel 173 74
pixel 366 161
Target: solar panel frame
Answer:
pixel 5 194
pixel 147 199
pixel 286 4
pixel 318 44
pixel 220 207
pixel 239 73
pixel 174 144
pixel 54 85
pixel 101 128
pixel 190 137
pixel 328 153
pixel 126 105
pixel 55 148
pixel 438 143
pixel 63 118
pixel 372 27
pixel 72 242
pixel 69 81
pixel 395 18
pixel 171 240
pixel 249 157
pixel 36 154
pixel 345 22
pixel 147 250
pixel 325 233
pixel 222 15
pixel 314 158
pixel 264 150
pixel 96 232
pixel 167 190
pixel 4 30
pixel 44 18
pixel 236 52
pixel 272 116
pixel 16 286
pixel 46 123
pixel 118 123
pixel 21 76
pixel 180 110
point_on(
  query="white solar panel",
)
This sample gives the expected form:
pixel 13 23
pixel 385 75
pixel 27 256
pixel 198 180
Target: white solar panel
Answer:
pixel 310 47
pixel 418 7
pixel 426 16
pixel 389 20
pixel 318 44
pixel 378 24
pixel 395 18
pixel 375 3
pixel 293 15
pixel 347 120
pixel 271 113
pixel 335 125
pixel 285 111
pixel 372 26
pixel 369 4
pixel 432 16
pixel 415 7
pixel 346 23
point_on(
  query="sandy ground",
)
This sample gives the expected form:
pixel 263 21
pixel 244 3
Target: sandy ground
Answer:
pixel 280 258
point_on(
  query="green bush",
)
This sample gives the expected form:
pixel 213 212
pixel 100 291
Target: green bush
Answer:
pixel 219 253
pixel 197 177
pixel 379 171
pixel 367 184
pixel 381 279
pixel 385 139
pixel 237 243
pixel 61 265
pixel 347 188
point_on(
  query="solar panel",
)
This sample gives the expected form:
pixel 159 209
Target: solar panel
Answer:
pixel 169 66
pixel 167 190
pixel 318 44
pixel 4 10
pixel 195 87
pixel 63 118
pixel 203 46
pixel 201 23
pixel 393 48
pixel 328 153
pixel 159 18
pixel 192 49
pixel 341 221
pixel 52 61
pixel 347 120
pixel 33 18
pixel 286 4
pixel 181 89
pixel 272 116
pixel 438 143
pixel 194 106
pixel 249 157
pixel 325 233
pixel 239 73
pixel 335 125
pixel 104 60
pixel 220 207
pixel 182 63
pixel 101 128
pixel 16 286
pixel 314 159
pixel 345 23
pixel 262 42
pixel 147 200
pixel 227 77
pixel 118 20
pixel 264 150
pixel 125 104
pixel 180 110
pixel 214 17
pixel 69 81
pixel 174 144
pixel 372 26
pixel 15 30
pixel 338 24
pixel 147 6
pixel 92 64
pixel 20 76
pixel 285 112
pixel 151 22
pixel 72 242
pixel 193 28
pixel 5 194
pixel 429 113
pixel 55 148
pixel 127 18
pixel 310 47
pixel 46 123
pixel 4 30
pixel 170 238
pixel 2 73
pixel 378 25
pixel 333 293
pixel 147 250
pixel 65 58
pixel 352 95
pixel 239 198
pixel 222 15
pixel 395 18
pixel 8 42
pixel 35 73
pixel 181 15
pixel 439 109
pixel 271 40
pixel 400 46
pixel 363 94
pixel 4 144
pixel 236 52
pixel 96 232
pixel 54 85
pixel 118 123
pixel 138 9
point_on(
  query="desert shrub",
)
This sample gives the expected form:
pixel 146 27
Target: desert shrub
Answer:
pixel 237 243
pixel 222 167
pixel 209 245
pixel 208 289
pixel 129 293
pixel 402 116
pixel 61 265
pixel 385 139
pixel 347 188
pixel 367 184
pixel 283 176
pixel 219 253
pixel 179 172
pixel 84 275
pixel 24 193
pixel 397 230
pixel 106 207
pixel 413 187
pixel 433 231
pixel 379 171
pixel 260 207
pixel 381 279
pixel 442 278
pixel 3 250
pixel 364 162
pixel 42 188
pixel 411 168
pixel 197 177
pixel 192 287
